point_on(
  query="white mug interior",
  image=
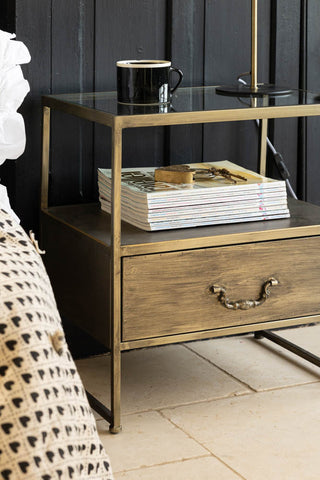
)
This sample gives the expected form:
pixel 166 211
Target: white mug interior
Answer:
pixel 143 63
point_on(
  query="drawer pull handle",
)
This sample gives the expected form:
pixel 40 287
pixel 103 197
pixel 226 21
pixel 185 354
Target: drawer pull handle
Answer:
pixel 244 304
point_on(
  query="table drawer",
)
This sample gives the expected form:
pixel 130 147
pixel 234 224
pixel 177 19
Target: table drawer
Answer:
pixel 170 293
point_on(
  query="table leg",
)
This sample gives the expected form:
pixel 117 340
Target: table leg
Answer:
pixel 292 347
pixel 115 426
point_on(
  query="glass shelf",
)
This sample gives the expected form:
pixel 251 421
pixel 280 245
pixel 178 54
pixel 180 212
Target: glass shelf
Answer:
pixel 202 104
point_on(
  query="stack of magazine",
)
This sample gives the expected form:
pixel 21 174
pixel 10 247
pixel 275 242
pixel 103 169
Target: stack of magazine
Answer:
pixel 151 205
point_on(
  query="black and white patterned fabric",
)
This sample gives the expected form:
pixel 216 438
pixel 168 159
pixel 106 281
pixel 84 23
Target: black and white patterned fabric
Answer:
pixel 47 429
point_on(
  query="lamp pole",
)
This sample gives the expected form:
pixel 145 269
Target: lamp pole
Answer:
pixel 253 89
pixel 254 44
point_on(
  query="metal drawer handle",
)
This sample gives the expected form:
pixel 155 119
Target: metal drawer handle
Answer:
pixel 244 304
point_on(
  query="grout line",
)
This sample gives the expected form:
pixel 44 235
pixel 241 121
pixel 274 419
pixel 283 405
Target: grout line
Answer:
pixel 170 462
pixel 286 387
pixel 221 369
pixel 274 350
pixel 171 407
pixel 208 400
pixel 201 444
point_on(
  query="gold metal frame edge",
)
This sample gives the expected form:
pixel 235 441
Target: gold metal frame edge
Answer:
pixel 218 332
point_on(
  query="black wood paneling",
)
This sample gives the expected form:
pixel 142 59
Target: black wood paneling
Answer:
pixel 72 34
pixel 285 71
pixel 7 15
pixel 74 46
pixel 8 169
pixel 186 51
pixel 33 27
pixel 227 55
pixel 130 29
pixel 312 176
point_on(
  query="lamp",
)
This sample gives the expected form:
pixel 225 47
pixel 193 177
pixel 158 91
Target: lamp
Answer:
pixel 254 89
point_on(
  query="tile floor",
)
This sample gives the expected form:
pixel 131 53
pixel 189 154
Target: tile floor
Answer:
pixel 224 409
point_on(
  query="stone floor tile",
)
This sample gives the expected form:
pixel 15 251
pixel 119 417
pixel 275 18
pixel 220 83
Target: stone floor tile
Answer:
pixel 272 435
pixel 260 363
pixel 147 439
pixel 306 336
pixel 204 468
pixel 158 377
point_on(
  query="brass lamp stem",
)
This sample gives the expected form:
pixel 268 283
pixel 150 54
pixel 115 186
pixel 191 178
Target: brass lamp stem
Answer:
pixel 254 42
pixel 255 89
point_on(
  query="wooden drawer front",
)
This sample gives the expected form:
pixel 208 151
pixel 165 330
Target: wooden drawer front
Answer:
pixel 166 294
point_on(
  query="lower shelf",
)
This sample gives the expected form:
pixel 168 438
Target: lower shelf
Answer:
pixel 89 220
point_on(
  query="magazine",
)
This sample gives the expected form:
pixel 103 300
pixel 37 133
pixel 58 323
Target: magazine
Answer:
pixel 139 184
pixel 152 205
pixel 201 210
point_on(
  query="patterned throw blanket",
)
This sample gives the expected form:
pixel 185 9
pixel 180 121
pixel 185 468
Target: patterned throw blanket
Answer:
pixel 47 429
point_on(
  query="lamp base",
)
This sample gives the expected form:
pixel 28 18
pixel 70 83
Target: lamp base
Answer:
pixel 248 91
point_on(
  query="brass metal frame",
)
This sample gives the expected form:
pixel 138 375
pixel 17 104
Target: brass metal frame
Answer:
pixel 115 425
pixel 171 241
pixel 118 250
pixel 45 158
pixel 218 332
pixel 263 146
pixel 182 118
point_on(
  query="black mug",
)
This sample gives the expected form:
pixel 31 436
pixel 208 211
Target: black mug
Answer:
pixel 146 82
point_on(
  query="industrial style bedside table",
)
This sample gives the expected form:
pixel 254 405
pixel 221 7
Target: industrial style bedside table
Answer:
pixel 130 289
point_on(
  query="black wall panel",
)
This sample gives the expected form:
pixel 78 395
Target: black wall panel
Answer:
pixel 72 69
pixel 285 60
pixel 185 48
pixel 313 83
pixel 128 29
pixel 74 45
pixel 24 173
pixel 227 55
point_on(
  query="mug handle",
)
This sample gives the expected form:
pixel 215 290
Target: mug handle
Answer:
pixel 179 72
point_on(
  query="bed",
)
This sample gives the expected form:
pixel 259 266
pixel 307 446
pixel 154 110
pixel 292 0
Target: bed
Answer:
pixel 47 428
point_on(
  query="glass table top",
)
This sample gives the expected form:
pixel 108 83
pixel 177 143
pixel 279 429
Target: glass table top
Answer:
pixel 188 105
pixel 187 99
